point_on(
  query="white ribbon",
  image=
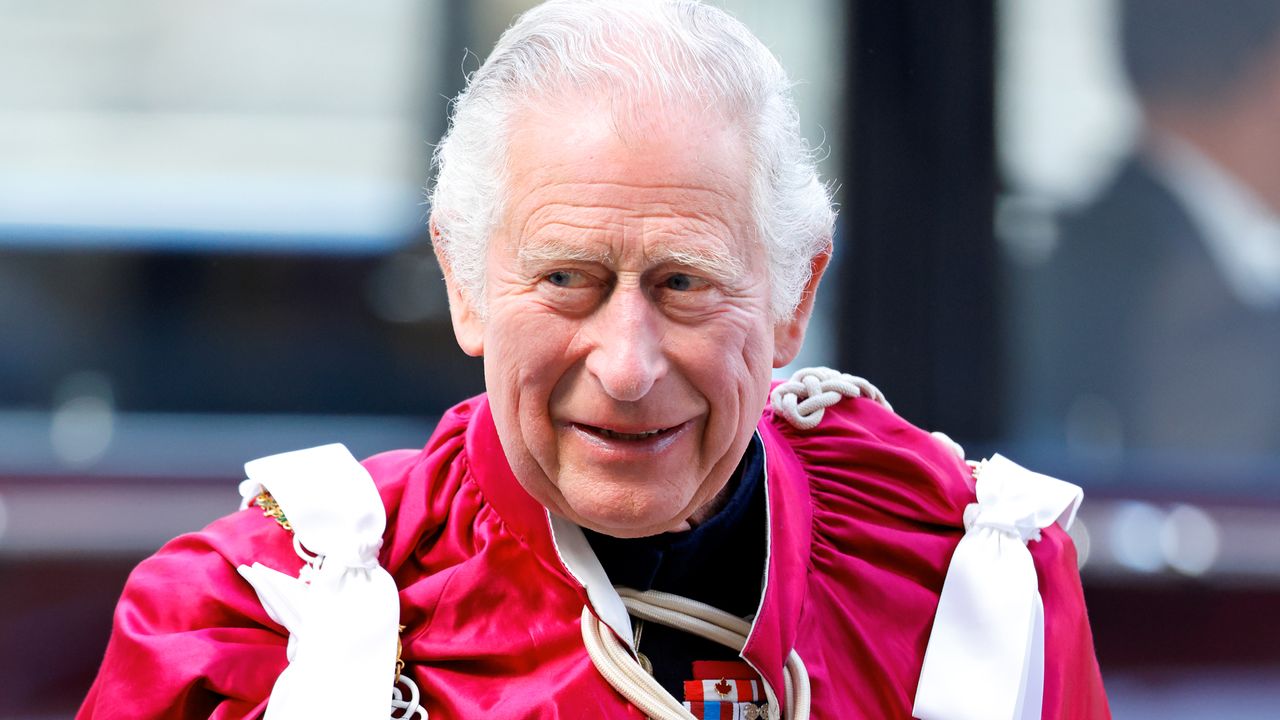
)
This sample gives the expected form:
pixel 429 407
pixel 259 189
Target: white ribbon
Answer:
pixel 343 611
pixel 985 658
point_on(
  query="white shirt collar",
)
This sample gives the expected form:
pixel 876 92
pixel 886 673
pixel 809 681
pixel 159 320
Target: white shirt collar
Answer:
pixel 1241 233
pixel 582 563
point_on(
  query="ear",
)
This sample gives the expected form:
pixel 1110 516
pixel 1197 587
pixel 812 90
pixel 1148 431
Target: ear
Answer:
pixel 788 335
pixel 468 328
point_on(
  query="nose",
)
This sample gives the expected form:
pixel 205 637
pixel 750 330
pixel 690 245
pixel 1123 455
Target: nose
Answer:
pixel 626 355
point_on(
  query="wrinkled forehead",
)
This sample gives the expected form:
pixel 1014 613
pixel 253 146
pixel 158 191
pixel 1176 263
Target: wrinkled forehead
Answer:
pixel 676 173
pixel 665 147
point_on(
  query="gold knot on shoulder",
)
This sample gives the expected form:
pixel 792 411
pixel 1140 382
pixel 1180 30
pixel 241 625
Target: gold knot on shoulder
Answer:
pixel 271 509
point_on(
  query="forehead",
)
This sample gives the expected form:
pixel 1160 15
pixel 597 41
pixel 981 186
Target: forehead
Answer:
pixel 672 178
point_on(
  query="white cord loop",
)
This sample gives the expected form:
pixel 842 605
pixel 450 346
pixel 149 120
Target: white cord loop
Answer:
pixel 310 563
pixel 804 398
pixel 621 669
pixel 624 673
pixel 408 709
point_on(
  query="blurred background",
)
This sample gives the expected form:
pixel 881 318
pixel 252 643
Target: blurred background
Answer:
pixel 1059 240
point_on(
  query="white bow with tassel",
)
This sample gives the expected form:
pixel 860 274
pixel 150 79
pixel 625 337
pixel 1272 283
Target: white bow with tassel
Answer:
pixel 985 658
pixel 342 611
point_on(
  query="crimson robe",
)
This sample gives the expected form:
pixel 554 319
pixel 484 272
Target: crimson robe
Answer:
pixel 864 513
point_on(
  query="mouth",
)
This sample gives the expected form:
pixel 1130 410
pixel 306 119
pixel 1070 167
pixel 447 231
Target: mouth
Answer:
pixel 641 436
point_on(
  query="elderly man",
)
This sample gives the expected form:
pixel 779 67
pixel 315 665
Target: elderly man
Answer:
pixel 632 232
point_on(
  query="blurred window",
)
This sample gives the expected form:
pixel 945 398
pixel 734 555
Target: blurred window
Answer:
pixel 214 123
pixel 1141 224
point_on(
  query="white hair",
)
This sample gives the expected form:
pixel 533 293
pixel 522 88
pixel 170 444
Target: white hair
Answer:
pixel 632 52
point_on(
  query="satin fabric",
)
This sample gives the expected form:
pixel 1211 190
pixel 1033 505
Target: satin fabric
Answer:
pixel 864 512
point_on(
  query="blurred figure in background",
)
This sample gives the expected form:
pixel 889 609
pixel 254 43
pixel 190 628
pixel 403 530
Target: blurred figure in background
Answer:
pixel 1156 323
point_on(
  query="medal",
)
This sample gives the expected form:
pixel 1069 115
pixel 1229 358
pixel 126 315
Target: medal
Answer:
pixel 724 690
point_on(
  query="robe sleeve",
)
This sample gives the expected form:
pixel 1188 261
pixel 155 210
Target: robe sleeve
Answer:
pixel 190 638
pixel 1072 680
pixel 889 505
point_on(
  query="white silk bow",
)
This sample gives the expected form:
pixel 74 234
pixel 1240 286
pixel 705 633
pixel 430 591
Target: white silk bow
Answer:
pixel 985 658
pixel 342 611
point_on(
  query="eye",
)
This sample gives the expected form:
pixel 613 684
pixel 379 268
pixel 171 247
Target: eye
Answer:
pixel 566 278
pixel 683 283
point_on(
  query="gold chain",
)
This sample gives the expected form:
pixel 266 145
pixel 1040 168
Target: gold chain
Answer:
pixel 399 654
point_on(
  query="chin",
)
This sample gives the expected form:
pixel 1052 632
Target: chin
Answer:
pixel 628 517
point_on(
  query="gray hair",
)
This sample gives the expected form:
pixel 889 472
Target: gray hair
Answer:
pixel 630 51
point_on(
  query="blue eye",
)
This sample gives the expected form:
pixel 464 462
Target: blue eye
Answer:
pixel 680 282
pixel 560 278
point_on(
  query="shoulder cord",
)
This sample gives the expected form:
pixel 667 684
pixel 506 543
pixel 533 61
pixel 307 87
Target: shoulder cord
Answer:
pixel 804 398
pixel 621 669
pixel 409 708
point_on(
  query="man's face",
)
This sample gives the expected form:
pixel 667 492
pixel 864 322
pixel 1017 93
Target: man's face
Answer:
pixel 628 341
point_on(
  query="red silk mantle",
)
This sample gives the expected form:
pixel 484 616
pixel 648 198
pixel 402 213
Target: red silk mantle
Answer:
pixel 865 511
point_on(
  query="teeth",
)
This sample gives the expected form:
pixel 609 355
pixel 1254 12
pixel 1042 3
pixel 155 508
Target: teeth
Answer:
pixel 626 436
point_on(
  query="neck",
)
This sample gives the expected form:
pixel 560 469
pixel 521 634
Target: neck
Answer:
pixel 713 506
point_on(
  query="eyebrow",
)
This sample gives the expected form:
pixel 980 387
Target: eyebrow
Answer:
pixel 537 253
pixel 720 266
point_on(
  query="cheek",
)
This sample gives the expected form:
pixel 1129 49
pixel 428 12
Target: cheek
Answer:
pixel 526 355
pixel 526 346
pixel 735 350
pixel 730 362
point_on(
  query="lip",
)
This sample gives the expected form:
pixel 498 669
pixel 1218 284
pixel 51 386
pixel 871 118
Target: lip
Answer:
pixel 609 440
